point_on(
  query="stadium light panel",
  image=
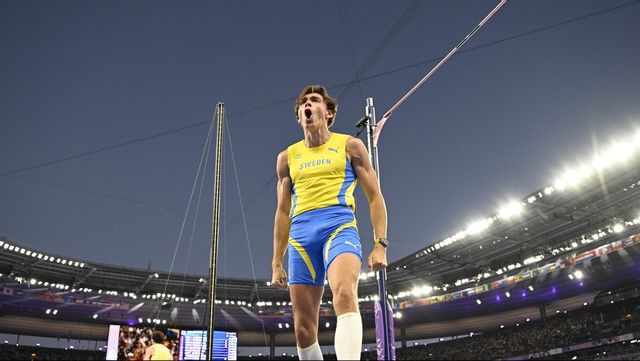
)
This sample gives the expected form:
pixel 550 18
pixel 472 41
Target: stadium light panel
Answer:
pixel 511 209
pixel 478 226
pixel 617 228
pixel 559 184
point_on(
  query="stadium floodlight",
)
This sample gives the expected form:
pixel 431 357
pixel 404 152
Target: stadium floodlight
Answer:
pixel 327 325
pixel 55 312
pixel 48 311
pixel 584 171
pixel 571 276
pixel 574 244
pixel 421 290
pixel 617 228
pixel 571 178
pixel 619 152
pixel 530 288
pixel 479 226
pixel 286 325
pixel 478 301
pixel 95 315
pixel 559 184
pixel 578 274
pixel 507 294
pixel 511 209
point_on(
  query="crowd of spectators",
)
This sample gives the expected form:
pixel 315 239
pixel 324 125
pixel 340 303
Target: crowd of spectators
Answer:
pixel 133 342
pixel 530 338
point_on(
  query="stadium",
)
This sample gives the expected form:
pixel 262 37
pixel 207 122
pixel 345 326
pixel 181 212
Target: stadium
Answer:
pixel 561 266
pixel 104 107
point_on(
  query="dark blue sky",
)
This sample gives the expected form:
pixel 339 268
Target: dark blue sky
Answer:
pixel 541 87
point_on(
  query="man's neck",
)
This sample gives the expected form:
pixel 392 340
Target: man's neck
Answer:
pixel 316 138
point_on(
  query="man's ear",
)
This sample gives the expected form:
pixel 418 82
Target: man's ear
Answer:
pixel 330 114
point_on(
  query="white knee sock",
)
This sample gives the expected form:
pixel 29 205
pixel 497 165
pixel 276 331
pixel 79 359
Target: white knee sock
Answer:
pixel 348 338
pixel 312 352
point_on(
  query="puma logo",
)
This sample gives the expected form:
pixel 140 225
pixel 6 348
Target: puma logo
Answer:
pixel 351 244
pixel 334 149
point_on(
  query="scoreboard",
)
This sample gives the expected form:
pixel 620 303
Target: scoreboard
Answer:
pixel 193 345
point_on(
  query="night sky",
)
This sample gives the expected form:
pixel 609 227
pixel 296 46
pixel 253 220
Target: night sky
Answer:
pixel 105 109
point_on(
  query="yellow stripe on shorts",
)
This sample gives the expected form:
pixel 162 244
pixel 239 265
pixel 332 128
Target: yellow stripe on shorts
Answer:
pixel 305 257
pixel 334 234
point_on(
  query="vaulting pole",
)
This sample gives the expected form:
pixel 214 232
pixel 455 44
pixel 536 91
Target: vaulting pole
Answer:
pixel 385 337
pixel 213 259
pixel 389 112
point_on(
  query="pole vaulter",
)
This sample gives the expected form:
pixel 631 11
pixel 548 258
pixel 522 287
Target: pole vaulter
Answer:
pixel 385 337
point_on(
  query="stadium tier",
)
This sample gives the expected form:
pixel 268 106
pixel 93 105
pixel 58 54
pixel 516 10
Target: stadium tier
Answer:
pixel 557 249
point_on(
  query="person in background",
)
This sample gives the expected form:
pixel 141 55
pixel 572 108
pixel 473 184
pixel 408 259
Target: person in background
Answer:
pixel 157 350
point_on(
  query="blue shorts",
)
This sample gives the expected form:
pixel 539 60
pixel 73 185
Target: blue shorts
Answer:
pixel 316 238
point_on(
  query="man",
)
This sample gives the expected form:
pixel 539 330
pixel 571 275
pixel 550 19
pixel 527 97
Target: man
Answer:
pixel 315 216
pixel 157 350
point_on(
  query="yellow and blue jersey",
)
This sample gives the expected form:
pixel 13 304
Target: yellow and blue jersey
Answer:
pixel 323 224
pixel 321 176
